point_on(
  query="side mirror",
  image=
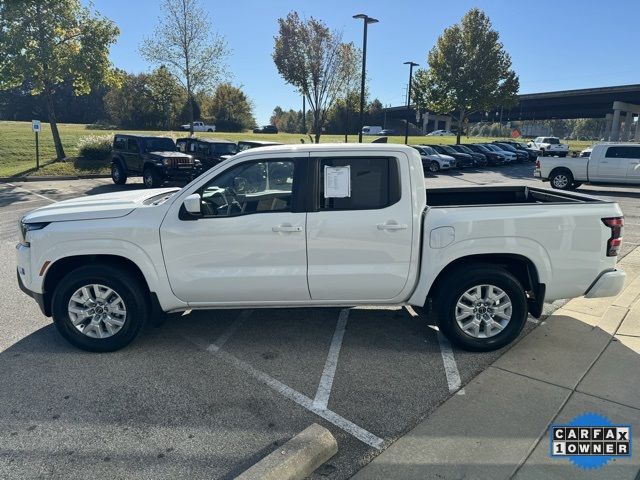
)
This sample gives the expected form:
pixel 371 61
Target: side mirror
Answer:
pixel 192 204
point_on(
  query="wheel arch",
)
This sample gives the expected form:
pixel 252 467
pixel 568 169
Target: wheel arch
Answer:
pixel 58 269
pixel 518 265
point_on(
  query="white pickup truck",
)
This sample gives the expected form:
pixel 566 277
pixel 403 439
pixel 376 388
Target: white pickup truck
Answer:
pixel 199 127
pixel 317 225
pixel 607 163
pixel 549 146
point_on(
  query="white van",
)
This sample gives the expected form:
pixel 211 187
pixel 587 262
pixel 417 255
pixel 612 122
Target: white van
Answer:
pixel 371 130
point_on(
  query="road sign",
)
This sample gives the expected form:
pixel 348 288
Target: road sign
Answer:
pixel 35 125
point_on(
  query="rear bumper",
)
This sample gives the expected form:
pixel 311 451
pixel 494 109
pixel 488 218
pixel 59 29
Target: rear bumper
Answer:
pixel 608 284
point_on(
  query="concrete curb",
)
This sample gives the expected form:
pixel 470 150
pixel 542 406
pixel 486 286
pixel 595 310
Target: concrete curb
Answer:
pixel 42 178
pixel 297 458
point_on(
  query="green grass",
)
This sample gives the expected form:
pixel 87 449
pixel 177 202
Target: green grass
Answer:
pixel 17 146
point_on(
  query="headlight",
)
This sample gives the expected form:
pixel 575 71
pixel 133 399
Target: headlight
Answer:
pixel 28 227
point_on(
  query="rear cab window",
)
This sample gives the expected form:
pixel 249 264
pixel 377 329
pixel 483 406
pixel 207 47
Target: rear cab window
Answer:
pixel 623 152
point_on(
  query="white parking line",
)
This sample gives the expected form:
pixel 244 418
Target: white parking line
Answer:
pixel 32 193
pixel 284 390
pixel 448 359
pixel 326 381
pixel 450 365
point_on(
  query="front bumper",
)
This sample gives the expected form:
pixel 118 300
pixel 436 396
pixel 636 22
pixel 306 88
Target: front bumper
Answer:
pixel 608 284
pixel 38 297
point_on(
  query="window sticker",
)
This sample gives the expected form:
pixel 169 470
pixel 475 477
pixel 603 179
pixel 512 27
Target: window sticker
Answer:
pixel 337 182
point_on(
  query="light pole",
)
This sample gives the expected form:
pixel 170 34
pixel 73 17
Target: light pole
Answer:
pixel 406 127
pixel 366 20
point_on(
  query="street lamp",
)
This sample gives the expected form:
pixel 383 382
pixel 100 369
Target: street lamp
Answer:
pixel 367 20
pixel 406 127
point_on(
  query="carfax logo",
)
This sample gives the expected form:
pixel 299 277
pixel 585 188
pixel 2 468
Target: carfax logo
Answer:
pixel 590 440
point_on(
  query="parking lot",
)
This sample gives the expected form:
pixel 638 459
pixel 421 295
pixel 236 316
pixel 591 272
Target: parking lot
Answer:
pixel 206 394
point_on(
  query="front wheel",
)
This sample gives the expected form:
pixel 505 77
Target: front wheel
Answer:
pixel 480 308
pixel 99 308
pixel 118 174
pixel 434 166
pixel 151 177
pixel 561 180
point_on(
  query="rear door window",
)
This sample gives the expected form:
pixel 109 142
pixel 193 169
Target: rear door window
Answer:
pixel 623 152
pixel 374 183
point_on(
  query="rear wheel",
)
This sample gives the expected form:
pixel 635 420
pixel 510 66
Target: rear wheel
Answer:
pixel 151 178
pixel 118 173
pixel 480 308
pixel 99 308
pixel 561 180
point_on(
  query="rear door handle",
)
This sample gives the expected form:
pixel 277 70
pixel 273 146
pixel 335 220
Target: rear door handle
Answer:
pixel 286 227
pixel 392 226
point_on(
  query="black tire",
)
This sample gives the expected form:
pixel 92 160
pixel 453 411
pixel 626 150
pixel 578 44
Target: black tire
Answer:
pixel 576 185
pixel 434 166
pixel 459 281
pixel 561 179
pixel 126 285
pixel 210 130
pixel 562 155
pixel 151 178
pixel 118 173
pixel 542 154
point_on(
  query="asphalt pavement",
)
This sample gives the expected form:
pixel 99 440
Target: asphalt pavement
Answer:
pixel 207 394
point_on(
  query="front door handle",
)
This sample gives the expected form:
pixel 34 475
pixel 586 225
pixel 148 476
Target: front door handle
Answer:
pixel 392 226
pixel 286 227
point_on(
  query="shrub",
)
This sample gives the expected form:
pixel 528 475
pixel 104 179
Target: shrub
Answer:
pixel 95 147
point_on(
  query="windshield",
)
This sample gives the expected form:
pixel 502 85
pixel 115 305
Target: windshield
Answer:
pixel 449 149
pixel 482 148
pixel 492 147
pixel 428 150
pixel 464 149
pixel 504 146
pixel 224 148
pixel 552 141
pixel 159 145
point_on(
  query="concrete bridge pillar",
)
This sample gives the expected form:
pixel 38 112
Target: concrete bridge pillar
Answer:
pixel 628 120
pixel 608 119
pixel 615 126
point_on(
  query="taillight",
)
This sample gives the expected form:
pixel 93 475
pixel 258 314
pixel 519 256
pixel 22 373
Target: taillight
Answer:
pixel 613 244
pixel 537 163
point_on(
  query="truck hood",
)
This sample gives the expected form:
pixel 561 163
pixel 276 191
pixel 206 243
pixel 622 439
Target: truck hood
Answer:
pixel 93 207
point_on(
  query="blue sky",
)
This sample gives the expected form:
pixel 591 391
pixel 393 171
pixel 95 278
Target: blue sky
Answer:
pixel 554 45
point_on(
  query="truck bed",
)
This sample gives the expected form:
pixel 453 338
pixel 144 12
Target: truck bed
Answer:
pixel 502 195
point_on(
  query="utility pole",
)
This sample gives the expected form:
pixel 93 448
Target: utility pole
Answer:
pixel 367 20
pixel 406 127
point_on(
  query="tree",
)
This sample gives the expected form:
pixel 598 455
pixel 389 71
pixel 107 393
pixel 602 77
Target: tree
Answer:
pixel 46 43
pixel 184 42
pixel 313 59
pixel 469 71
pixel 166 95
pixel 231 109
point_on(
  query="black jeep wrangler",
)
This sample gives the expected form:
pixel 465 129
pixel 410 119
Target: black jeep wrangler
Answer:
pixel 155 158
pixel 209 151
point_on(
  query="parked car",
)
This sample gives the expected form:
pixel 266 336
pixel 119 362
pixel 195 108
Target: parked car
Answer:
pixel 388 132
pixel 209 151
pixel 199 126
pixel 463 160
pixel 247 144
pixel 372 130
pixel 494 158
pixel 241 235
pixel 479 159
pixel 549 146
pixel 509 157
pixel 433 161
pixel 266 129
pixel 533 153
pixel 520 155
pixel 440 133
pixel 608 163
pixel 155 158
